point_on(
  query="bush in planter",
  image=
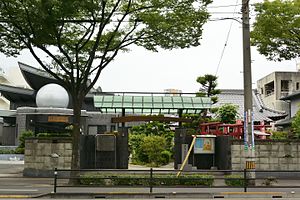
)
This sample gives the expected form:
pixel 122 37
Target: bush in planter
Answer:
pixel 234 180
pixel 197 179
pixel 92 180
pixel 102 179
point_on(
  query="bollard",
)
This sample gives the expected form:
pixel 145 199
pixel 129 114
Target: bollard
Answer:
pixel 55 180
pixel 245 180
pixel 151 180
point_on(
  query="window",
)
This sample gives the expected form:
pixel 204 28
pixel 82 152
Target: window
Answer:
pixel 269 89
pixel 297 86
pixel 261 91
pixel 284 85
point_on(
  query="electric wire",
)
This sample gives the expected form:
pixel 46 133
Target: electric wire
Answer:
pixel 226 42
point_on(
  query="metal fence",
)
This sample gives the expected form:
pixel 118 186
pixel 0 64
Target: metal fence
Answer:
pixel 151 178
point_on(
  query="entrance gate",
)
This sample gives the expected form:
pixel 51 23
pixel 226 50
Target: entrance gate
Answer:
pixel 142 108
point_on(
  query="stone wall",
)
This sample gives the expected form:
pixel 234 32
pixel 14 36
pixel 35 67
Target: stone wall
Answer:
pixel 43 155
pixel 270 155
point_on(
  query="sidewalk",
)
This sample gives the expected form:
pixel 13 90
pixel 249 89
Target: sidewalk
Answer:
pixel 11 168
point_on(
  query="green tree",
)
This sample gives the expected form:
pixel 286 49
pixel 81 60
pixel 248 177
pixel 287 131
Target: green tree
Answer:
pixel 276 31
pixel 80 38
pixel 208 86
pixel 296 124
pixel 228 113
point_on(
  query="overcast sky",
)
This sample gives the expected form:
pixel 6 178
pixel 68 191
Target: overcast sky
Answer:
pixel 144 71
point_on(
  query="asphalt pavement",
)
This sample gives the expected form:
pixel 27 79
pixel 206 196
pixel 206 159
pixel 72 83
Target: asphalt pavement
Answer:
pixel 14 185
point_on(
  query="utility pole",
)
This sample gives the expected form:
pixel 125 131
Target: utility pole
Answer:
pixel 248 107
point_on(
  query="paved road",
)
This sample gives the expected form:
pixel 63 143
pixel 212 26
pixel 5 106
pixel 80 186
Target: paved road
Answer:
pixel 13 183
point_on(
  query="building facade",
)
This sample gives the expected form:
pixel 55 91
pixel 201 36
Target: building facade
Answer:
pixel 277 85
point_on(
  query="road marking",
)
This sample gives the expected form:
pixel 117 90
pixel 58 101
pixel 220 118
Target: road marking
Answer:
pixel 17 190
pixel 14 196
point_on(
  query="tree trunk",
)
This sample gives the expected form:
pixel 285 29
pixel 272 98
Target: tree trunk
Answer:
pixel 75 163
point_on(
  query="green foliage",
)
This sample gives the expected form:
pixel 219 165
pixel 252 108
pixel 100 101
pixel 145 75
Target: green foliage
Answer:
pixel 208 86
pixel 151 149
pixel 278 135
pixel 276 31
pixel 80 38
pixel 107 179
pixel 296 124
pixel 27 134
pixel 151 144
pixel 227 113
pixel 196 118
pixel 234 180
pixel 7 151
pixel 21 148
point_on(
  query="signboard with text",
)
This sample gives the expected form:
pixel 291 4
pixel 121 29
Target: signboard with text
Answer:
pixel 64 119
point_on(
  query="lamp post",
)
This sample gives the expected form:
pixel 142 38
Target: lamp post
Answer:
pixel 248 107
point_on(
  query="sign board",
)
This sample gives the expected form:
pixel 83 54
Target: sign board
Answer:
pixel 204 145
pixel 64 119
pixel 105 142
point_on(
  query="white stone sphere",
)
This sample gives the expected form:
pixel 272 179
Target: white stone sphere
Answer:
pixel 52 96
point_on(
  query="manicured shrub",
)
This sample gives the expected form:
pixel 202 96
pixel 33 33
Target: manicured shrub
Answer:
pixel 102 179
pixel 234 180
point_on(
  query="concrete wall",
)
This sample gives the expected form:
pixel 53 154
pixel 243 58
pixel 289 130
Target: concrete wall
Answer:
pixel 38 160
pixel 9 135
pixel 295 103
pixel 270 155
pixel 97 119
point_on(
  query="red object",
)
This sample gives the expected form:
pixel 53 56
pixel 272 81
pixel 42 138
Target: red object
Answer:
pixel 235 130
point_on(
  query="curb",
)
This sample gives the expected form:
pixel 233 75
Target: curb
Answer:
pixel 15 196
pixel 127 195
pixel 251 195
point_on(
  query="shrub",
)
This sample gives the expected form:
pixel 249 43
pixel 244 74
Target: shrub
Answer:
pixel 143 179
pixel 165 157
pixel 234 180
pixel 21 148
pixel 7 151
pixel 151 144
pixel 152 147
pixel 277 135
pixel 54 135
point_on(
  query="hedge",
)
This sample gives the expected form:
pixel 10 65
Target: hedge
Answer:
pixel 99 179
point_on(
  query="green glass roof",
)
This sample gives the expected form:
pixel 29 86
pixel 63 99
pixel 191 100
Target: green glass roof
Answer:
pixel 151 104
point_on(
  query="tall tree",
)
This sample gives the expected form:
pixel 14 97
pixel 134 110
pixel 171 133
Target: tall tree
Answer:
pixel 208 86
pixel 81 37
pixel 276 30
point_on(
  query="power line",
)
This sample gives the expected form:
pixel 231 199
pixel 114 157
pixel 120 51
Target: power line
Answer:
pixel 227 38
